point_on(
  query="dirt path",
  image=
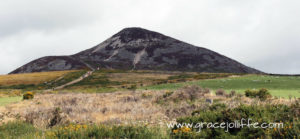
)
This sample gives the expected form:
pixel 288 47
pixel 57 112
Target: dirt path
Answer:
pixel 89 73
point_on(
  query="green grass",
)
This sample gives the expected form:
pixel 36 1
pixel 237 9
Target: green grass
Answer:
pixel 7 100
pixel 283 86
pixel 17 130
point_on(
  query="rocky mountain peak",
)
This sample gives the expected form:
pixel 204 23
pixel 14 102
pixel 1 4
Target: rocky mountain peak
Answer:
pixel 135 33
pixel 141 49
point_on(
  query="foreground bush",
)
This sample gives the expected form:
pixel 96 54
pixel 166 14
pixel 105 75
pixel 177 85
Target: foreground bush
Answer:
pixel 219 113
pixel 77 131
pixel 28 95
pixel 83 131
pixel 220 92
pixel 16 129
pixel 262 94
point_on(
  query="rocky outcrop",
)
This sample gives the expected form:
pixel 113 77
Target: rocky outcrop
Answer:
pixel 51 63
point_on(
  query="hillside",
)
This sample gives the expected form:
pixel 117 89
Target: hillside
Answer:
pixel 108 80
pixel 140 49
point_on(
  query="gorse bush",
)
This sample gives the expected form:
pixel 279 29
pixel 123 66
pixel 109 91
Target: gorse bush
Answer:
pixel 28 95
pixel 216 113
pixel 262 94
pixel 167 94
pixel 183 132
pixel 22 130
pixel 147 95
pixel 219 113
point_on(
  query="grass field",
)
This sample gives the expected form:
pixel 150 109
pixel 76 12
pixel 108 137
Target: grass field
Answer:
pixel 283 86
pixel 40 80
pixel 7 100
pixel 30 78
pixel 105 78
pixel 109 80
pixel 116 80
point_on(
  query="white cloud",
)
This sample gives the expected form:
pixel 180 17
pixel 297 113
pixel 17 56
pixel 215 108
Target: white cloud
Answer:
pixel 260 34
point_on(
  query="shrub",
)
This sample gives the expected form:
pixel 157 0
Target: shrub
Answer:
pixel 219 113
pixel 183 132
pixel 16 129
pixel 147 95
pixel 262 94
pixel 232 93
pixel 57 118
pixel 101 131
pixel 250 93
pixel 20 130
pixel 220 92
pixel 191 92
pixel 28 95
pixel 132 87
pixel 206 91
pixel 167 94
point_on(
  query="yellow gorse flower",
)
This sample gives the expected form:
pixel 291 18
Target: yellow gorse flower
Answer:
pixel 175 131
pixel 183 130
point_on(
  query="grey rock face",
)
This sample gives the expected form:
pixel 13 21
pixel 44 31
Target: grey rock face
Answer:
pixel 52 63
pixel 137 48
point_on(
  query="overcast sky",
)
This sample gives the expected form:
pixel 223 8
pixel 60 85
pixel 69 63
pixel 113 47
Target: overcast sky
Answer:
pixel 263 34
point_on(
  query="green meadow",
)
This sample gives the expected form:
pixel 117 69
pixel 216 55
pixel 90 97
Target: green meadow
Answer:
pixel 7 100
pixel 281 86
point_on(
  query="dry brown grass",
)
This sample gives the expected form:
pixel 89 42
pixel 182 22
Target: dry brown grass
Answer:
pixel 86 108
pixel 31 78
pixel 119 107
pixel 10 93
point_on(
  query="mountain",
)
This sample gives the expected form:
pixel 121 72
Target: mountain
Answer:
pixel 137 48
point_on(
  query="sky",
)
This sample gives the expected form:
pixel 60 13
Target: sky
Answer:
pixel 263 34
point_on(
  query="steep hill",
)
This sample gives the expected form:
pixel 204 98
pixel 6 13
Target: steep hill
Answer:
pixel 137 48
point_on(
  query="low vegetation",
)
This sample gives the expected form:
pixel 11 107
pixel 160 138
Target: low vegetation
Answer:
pixel 8 100
pixel 30 78
pixel 28 95
pixel 122 80
pixel 280 86
pixel 25 130
pixel 105 80
pixel 38 81
pixel 17 129
pixel 142 115
pixel 218 113
pixel 144 102
pixel 262 94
